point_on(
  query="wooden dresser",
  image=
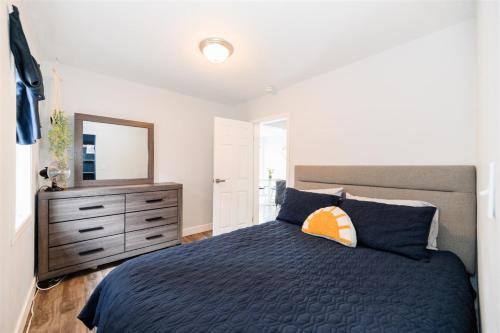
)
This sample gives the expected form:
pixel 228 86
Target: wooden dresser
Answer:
pixel 89 226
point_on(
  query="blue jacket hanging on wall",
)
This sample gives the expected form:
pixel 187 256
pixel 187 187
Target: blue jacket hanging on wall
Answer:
pixel 29 88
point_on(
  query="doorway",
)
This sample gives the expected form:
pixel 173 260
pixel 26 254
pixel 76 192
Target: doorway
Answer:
pixel 272 166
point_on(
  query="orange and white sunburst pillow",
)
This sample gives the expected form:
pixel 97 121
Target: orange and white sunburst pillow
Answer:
pixel 331 223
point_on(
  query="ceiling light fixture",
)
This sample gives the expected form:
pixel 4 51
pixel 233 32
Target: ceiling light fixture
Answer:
pixel 216 50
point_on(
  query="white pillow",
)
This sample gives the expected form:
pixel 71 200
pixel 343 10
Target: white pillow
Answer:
pixel 332 191
pixel 434 229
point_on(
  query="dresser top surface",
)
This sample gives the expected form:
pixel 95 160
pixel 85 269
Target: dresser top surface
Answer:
pixel 72 192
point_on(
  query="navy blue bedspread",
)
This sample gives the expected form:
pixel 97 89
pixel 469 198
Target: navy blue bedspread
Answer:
pixel 274 278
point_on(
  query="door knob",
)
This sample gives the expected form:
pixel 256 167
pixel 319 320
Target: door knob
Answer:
pixel 217 181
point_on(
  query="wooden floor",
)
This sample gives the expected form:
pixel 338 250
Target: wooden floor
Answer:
pixel 55 310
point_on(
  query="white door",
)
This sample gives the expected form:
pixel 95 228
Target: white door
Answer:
pixel 233 151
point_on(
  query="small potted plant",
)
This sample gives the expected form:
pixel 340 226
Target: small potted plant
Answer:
pixel 270 173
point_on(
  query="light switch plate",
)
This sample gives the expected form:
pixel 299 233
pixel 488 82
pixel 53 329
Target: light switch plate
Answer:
pixel 491 191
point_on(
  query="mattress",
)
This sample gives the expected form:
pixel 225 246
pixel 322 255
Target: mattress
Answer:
pixel 274 278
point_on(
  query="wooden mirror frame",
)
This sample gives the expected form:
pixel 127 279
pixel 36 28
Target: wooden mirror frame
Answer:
pixel 78 145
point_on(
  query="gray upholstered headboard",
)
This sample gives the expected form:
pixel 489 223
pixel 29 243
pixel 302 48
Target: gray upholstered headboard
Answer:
pixel 451 188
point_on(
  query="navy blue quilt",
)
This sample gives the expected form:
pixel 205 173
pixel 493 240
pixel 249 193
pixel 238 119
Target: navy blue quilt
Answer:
pixel 274 278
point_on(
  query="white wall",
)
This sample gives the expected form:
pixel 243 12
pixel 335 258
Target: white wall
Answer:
pixel 488 32
pixel 413 104
pixel 183 128
pixel 16 250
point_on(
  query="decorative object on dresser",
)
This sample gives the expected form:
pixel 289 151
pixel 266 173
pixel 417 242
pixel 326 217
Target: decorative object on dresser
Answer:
pixel 55 171
pixel 86 227
pixel 59 141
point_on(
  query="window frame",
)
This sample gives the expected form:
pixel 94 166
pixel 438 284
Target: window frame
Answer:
pixel 19 227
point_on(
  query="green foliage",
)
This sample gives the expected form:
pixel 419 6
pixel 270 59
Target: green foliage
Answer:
pixel 270 173
pixel 59 137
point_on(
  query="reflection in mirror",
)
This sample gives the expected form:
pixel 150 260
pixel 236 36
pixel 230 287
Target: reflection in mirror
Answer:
pixel 114 151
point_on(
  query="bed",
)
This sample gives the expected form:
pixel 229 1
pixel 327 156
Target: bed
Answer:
pixel 274 278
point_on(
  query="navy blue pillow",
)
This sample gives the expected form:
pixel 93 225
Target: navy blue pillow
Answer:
pixel 394 228
pixel 298 205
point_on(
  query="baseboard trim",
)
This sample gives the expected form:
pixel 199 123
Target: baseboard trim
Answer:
pixel 196 229
pixel 23 317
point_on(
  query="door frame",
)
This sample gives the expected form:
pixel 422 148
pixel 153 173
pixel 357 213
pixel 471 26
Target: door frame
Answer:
pixel 256 161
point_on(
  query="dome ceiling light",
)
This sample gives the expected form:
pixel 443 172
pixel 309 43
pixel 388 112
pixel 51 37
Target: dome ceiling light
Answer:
pixel 216 50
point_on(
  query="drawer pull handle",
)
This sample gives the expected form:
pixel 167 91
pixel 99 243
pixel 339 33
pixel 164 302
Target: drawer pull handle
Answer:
pixel 152 219
pixel 91 207
pixel 84 253
pixel 154 237
pixel 154 200
pixel 90 229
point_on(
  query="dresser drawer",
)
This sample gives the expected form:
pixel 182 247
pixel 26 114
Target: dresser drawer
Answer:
pixel 150 218
pixel 85 207
pixel 77 253
pixel 81 230
pixel 142 238
pixel 151 200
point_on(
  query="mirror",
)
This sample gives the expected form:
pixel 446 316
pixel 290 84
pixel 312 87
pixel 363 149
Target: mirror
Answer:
pixel 110 151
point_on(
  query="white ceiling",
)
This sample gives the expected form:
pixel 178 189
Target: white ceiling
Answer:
pixel 276 43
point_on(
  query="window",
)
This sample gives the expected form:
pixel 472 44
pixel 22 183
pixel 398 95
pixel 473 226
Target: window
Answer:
pixel 24 185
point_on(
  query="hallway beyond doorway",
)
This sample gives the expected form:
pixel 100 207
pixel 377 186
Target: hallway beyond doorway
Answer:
pixel 272 167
